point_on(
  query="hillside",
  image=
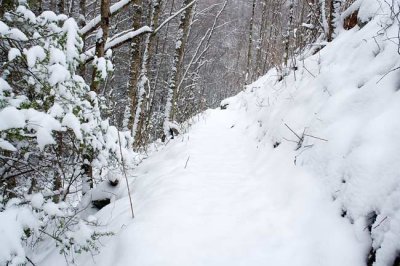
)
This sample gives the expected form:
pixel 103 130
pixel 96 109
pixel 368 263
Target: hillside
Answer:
pixel 299 170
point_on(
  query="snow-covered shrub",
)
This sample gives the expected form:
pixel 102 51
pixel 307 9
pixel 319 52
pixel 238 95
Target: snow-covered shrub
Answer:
pixel 53 140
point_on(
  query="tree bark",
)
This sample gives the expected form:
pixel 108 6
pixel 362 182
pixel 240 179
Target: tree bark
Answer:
pixel 61 6
pixel 101 41
pixel 261 38
pixel 176 69
pixel 135 64
pixel 250 45
pixel 148 55
pixel 331 26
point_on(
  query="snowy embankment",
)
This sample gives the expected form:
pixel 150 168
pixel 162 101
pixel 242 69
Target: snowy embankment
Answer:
pixel 304 171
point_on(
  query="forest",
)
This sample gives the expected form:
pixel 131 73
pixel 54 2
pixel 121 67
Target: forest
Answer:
pixel 94 92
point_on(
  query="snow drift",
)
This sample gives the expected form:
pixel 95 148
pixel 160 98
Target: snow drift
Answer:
pixel 343 104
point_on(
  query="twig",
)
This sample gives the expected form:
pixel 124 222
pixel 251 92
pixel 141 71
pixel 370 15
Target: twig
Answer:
pixel 126 177
pixel 187 161
pixel 293 132
pixel 290 140
pixel 308 71
pixel 392 70
pixel 380 223
pixel 30 261
pixel 311 136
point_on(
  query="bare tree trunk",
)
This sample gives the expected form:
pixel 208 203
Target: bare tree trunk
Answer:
pixel 148 55
pixel 181 39
pixel 313 21
pixel 250 47
pixel 261 38
pixel 61 6
pixel 135 64
pixel 82 13
pixel 288 35
pixel 57 183
pixel 331 26
pixel 82 23
pixel 53 5
pixel 101 41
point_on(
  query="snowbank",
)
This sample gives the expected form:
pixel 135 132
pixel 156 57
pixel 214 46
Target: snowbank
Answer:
pixel 343 105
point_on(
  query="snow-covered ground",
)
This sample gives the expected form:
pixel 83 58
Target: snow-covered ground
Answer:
pixel 239 188
pixel 233 204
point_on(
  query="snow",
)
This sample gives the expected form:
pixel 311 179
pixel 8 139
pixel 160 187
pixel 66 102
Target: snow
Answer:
pixel 116 40
pixel 57 56
pixel 37 200
pixel 213 197
pixel 33 54
pixel 74 43
pixel 17 35
pixel 101 67
pixel 58 74
pixel 12 33
pixel 94 22
pixel 10 117
pixel 50 16
pixel 129 35
pixel 56 110
pixel 5 145
pixel 43 126
pixel 4 86
pixel 52 209
pixel 27 14
pixel 13 222
pixel 71 121
pixel 289 174
pixel 3 28
pixel 13 53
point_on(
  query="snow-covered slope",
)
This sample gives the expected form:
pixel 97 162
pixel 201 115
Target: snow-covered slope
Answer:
pixel 239 188
pixel 345 101
pixel 218 197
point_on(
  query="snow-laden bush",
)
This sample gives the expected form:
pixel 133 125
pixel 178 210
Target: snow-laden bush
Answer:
pixel 54 144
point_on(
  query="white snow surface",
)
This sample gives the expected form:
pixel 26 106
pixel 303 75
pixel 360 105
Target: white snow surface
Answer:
pixel 222 194
pixel 233 204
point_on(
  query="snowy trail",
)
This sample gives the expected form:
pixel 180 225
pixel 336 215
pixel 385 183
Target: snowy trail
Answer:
pixel 234 204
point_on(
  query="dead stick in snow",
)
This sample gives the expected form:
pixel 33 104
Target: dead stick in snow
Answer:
pixel 380 223
pixel 293 131
pixel 187 162
pixel 126 177
pixel 311 136
pixel 30 261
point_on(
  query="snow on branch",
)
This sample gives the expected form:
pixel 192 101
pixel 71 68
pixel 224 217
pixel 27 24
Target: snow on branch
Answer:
pixel 94 23
pixel 129 35
pixel 117 41
pixel 125 36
